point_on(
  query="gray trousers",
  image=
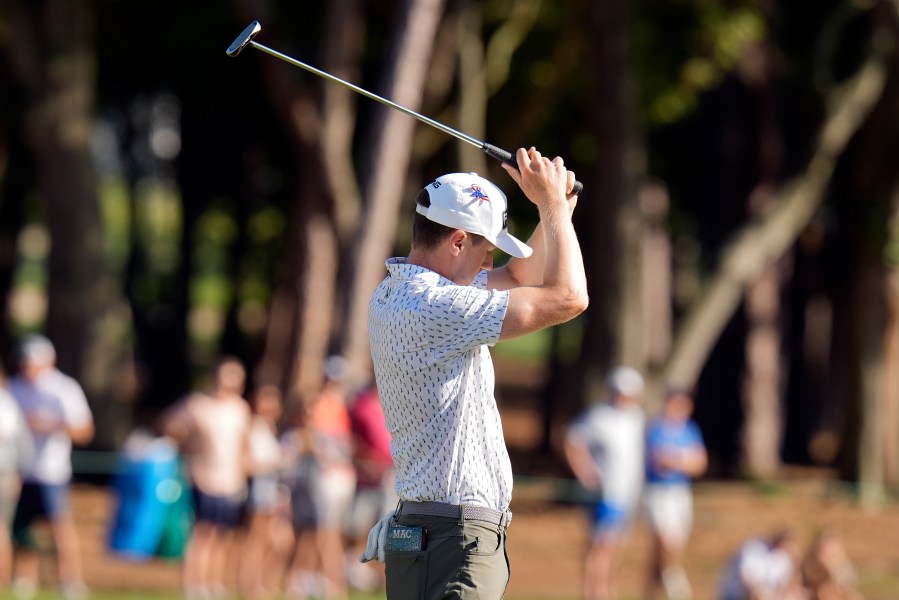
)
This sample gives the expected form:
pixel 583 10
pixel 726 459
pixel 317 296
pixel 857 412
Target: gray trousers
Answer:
pixel 461 561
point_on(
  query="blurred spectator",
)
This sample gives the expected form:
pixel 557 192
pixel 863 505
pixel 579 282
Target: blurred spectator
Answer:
pixel 764 569
pixel 375 484
pixel 604 447
pixel 675 453
pixel 212 430
pixel 327 439
pixel 58 415
pixel 263 548
pixel 827 572
pixel 16 452
pixel 301 474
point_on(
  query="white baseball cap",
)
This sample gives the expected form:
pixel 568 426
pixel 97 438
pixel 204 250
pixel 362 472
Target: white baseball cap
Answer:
pixel 37 349
pixel 469 202
pixel 625 381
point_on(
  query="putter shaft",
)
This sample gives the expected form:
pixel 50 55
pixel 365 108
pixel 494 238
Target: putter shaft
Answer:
pixel 444 128
pixel 246 39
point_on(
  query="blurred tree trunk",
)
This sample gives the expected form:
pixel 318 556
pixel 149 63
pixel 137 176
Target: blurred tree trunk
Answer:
pixel 890 353
pixel 762 398
pixel 608 210
pixel 384 173
pixel 11 213
pixel 342 55
pixel 763 387
pixel 872 216
pixel 52 50
pixel 890 371
pixel 330 233
pixel 870 319
pixel 655 287
pixel 888 384
pixel 484 68
pixel 472 81
pixel 302 311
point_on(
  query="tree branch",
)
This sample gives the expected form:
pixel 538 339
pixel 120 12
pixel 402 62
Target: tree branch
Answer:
pixel 764 241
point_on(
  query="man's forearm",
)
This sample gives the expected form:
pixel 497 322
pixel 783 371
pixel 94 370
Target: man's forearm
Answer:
pixel 81 434
pixel 529 271
pixel 563 263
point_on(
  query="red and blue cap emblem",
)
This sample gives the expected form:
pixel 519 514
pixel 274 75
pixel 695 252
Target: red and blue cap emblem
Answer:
pixel 478 194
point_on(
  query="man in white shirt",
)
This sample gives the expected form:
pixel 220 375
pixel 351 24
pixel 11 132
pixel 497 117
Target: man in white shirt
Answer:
pixel 58 415
pixel 604 447
pixel 16 453
pixel 430 322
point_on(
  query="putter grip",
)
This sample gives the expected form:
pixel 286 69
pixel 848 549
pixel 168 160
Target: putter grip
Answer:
pixel 508 158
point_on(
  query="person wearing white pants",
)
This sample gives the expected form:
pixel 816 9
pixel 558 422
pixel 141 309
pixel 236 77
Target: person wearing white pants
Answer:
pixel 675 454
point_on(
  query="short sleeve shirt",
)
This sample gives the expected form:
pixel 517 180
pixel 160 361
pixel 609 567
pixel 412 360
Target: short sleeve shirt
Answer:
pixel 670 436
pixel 15 437
pixel 54 396
pixel 764 568
pixel 429 339
pixel 614 437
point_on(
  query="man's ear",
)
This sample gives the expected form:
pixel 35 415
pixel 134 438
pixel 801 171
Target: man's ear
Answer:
pixel 457 241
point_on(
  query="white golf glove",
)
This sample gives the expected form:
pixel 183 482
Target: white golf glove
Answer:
pixel 377 540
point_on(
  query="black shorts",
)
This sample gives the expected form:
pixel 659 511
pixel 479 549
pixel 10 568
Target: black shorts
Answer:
pixel 224 511
pixel 38 501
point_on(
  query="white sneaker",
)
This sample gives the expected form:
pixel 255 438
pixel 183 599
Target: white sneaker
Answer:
pixel 74 590
pixel 24 588
pixel 196 592
pixel 676 585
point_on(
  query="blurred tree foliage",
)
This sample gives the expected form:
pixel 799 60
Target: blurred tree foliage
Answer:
pixel 162 203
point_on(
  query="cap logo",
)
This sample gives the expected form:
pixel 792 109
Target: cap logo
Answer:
pixel 478 194
pixel 505 219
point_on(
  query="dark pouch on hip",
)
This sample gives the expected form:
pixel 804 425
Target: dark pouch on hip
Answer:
pixel 403 538
pixel 406 563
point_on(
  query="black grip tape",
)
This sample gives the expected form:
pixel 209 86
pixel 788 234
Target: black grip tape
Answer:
pixel 508 158
pixel 499 154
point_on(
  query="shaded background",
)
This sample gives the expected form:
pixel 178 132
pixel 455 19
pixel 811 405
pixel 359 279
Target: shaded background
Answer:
pixel 162 203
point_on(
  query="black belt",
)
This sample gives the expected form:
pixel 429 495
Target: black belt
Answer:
pixel 468 511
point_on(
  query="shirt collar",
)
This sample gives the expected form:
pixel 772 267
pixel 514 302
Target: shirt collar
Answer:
pixel 399 269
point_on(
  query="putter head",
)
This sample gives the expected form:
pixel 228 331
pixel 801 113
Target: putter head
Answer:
pixel 245 37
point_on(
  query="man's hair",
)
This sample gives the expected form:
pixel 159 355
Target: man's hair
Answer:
pixel 426 233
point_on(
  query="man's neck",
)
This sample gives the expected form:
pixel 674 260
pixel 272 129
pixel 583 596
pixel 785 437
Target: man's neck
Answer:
pixel 428 261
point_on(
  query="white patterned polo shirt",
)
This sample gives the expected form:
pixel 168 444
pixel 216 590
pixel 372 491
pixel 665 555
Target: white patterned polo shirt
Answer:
pixel 429 339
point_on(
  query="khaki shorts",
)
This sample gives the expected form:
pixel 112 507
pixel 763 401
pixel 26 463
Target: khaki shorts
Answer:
pixel 9 496
pixel 669 509
pixel 459 561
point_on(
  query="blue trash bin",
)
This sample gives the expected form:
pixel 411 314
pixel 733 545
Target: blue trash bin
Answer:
pixel 147 474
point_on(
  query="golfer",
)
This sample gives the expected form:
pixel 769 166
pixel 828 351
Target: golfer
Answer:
pixel 430 322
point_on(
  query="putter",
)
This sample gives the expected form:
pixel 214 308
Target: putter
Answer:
pixel 246 39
